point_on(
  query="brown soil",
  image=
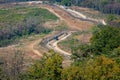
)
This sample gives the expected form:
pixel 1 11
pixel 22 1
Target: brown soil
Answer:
pixel 84 38
pixel 72 22
pixel 30 48
pixel 27 48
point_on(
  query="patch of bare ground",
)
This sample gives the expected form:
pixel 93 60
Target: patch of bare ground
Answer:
pixel 29 46
pixel 84 38
pixel 73 23
pixel 52 24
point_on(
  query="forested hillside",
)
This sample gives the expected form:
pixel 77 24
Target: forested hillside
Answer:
pixel 3 1
pixel 106 6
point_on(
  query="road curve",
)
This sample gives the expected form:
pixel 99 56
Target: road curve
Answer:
pixel 32 47
pixel 54 46
pixel 81 15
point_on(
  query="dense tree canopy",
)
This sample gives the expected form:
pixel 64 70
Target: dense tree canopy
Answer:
pixel 101 68
pixel 49 68
pixel 106 40
pixel 106 6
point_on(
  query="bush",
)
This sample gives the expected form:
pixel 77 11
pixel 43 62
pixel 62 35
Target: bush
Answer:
pixel 105 40
pixel 20 21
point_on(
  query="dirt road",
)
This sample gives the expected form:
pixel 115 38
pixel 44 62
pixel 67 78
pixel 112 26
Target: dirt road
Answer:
pixel 32 47
pixel 54 45
pixel 72 22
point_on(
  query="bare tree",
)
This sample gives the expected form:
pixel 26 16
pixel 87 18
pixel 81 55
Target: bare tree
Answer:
pixel 13 66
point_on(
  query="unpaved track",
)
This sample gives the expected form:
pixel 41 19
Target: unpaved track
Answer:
pixel 54 45
pixel 68 19
pixel 66 55
pixel 32 47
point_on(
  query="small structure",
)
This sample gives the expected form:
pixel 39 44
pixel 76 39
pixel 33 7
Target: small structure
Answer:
pixel 56 37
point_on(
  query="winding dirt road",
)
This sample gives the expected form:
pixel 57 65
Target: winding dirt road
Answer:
pixel 71 21
pixel 32 47
pixel 54 45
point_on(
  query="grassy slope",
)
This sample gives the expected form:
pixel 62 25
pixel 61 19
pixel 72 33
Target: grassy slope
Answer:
pixel 69 43
pixel 18 14
pixel 12 17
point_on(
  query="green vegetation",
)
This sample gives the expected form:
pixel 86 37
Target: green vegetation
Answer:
pixel 91 61
pixel 70 42
pixel 48 68
pixel 101 68
pixel 106 40
pixel 113 20
pixel 105 6
pixel 66 2
pixel 61 27
pixel 20 21
pixel 98 60
pixel 73 41
pixel 98 68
